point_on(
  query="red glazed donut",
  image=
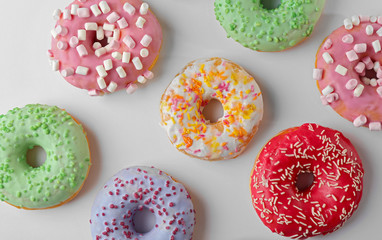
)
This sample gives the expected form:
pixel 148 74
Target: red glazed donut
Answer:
pixel 328 202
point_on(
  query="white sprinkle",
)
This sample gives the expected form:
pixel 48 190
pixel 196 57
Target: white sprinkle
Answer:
pixel 360 47
pixel 358 90
pixel 82 70
pixel 327 90
pixel 101 83
pixel 100 51
pixel 108 64
pixel 122 23
pixel 327 58
pixel 60 30
pixel 317 73
pixel 131 88
pixel 116 55
pixel 96 45
pixel 101 71
pixel 108 27
pixel 137 63
pixel 55 65
pixel 348 38
pixel 351 84
pixel 81 33
pixel 116 34
pixel 379 32
pixel 366 80
pixel 376 66
pixel 73 9
pixel 373 19
pixel 129 8
pixel 146 40
pixel 144 52
pixel 373 82
pixel 355 20
pixel 348 24
pixel 341 70
pixel 140 22
pixel 129 41
pixel 57 14
pixel 95 10
pixel 375 126
pixel 376 46
pixel 352 55
pixel 82 51
pixel 104 7
pixel 112 86
pixel 369 30
pixel 91 26
pixel 67 72
pixel 121 72
pixel 144 8
pixel 54 33
pixel 100 33
pixel 95 92
pixel 142 79
pixel 113 17
pixel 126 57
pixel 66 14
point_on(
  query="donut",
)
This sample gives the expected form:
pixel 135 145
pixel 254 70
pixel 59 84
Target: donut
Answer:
pixel 348 71
pixel 134 189
pixel 328 202
pixel 191 90
pixel 67 163
pixel 268 30
pixel 105 46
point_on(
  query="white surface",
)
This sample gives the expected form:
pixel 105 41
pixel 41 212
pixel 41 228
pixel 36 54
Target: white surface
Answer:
pixel 123 129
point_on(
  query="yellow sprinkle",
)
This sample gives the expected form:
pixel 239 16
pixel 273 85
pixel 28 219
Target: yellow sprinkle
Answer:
pixel 173 120
pixel 188 116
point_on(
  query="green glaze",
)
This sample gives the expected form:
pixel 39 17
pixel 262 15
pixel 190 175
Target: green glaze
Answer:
pixel 265 30
pixel 67 156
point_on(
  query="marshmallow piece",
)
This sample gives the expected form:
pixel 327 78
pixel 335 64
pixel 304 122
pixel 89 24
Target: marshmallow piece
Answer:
pixel 323 100
pixel 375 126
pixel 364 18
pixel 348 24
pixel 121 72
pixel 379 73
pixel 369 30
pixel 360 121
pixel 140 22
pixel 352 55
pixel 148 74
pixel 358 90
pixel 355 20
pixel 104 7
pixel 108 27
pixel 131 88
pixel 368 62
pixel 54 33
pixel 129 41
pixel 56 14
pixel 351 84
pixel 91 26
pixel 317 73
pixel 379 91
pixel 379 82
pixel 360 67
pixel 66 14
pixel 144 9
pixel 348 38
pixel 129 8
pixel 327 58
pixel 81 34
pixel 377 65
pixel 366 80
pixel 100 33
pixel 328 44
pixel 83 12
pixel 101 71
pixel 379 20
pixel 116 34
pixel 117 55
pixel 144 52
pixel 60 30
pixel 62 45
pixel 141 79
pixel 55 65
pixel 122 23
pixel 112 86
pixel 101 83
pixel 73 41
pixel 327 90
pixel 108 33
pixel 67 72
pixel 377 46
pixel 113 17
pixel 332 97
pixel 108 64
pixel 341 70
pixel 95 92
pixel 373 19
pixel 82 70
pixel 146 40
pixel 73 9
pixel 360 47
pixel 137 63
pixel 373 82
pixel 113 45
pixel 100 51
pixel 379 32
pixel 126 57
pixel 95 10
pixel 96 45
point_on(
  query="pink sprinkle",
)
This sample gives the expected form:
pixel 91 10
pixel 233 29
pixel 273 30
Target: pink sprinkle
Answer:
pixel 317 74
pixel 351 84
pixel 379 73
pixel 364 18
pixel 352 55
pixel 360 67
pixel 83 12
pixel 82 50
pixel 62 45
pixel 375 126
pixel 131 88
pixel 60 30
pixel 360 47
pixel 332 97
pixel 108 33
pixel 323 100
pixel 379 91
pixel 348 38
pixel 73 42
pixel 113 17
pixel 148 74
pixel 360 120
pixel 368 62
pixel 328 44
pixel 114 44
pixel 67 72
pixel 122 23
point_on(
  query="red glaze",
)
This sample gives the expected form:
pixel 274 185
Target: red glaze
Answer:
pixel 328 202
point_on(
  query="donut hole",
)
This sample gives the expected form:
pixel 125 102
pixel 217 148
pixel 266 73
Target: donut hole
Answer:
pixel 213 111
pixel 143 220
pixel 36 156
pixel 371 74
pixel 304 180
pixel 92 35
pixel 270 4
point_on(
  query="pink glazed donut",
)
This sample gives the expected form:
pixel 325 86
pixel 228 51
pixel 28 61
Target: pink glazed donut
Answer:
pixel 105 46
pixel 348 71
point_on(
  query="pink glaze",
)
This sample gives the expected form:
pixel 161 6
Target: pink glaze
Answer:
pixel 70 58
pixel 357 61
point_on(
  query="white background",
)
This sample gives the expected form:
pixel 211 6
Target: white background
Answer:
pixel 123 129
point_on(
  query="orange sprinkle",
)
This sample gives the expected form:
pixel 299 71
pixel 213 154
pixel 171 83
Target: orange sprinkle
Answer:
pixel 188 141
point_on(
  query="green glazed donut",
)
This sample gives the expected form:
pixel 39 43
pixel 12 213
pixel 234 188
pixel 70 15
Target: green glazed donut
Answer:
pixel 260 29
pixel 67 162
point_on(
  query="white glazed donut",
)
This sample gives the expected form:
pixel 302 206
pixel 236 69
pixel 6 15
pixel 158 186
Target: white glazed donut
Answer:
pixel 134 189
pixel 183 102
